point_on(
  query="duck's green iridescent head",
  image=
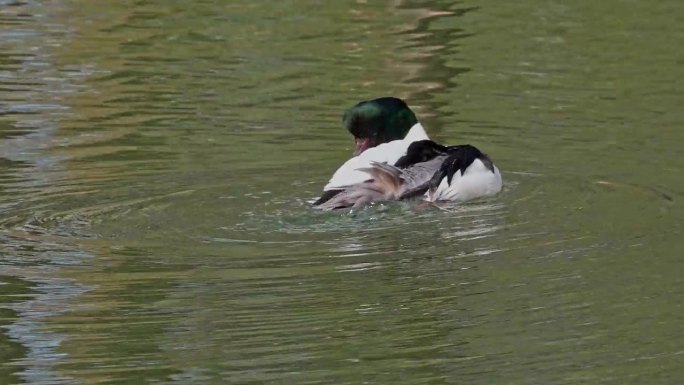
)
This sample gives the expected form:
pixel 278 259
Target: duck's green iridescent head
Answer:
pixel 377 121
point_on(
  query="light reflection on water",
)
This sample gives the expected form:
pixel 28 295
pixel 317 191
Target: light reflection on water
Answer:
pixel 156 161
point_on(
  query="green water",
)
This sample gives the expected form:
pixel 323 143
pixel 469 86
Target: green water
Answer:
pixel 156 159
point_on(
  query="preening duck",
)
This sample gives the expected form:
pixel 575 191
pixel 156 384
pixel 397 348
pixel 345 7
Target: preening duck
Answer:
pixel 394 159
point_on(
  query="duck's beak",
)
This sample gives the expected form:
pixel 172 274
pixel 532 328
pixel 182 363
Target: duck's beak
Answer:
pixel 362 144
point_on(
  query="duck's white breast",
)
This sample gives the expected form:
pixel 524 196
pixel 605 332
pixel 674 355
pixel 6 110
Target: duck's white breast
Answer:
pixel 390 152
pixel 349 173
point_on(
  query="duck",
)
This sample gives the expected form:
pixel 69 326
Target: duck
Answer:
pixel 394 159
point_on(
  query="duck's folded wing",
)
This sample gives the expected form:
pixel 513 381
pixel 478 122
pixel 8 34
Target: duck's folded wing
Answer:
pixel 418 176
pixel 465 174
pixel 383 182
pixel 354 196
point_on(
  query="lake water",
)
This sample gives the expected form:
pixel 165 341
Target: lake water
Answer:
pixel 156 159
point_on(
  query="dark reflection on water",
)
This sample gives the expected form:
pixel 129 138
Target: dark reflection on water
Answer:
pixel 156 161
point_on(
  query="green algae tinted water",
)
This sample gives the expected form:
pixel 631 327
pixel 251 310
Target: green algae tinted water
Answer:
pixel 156 160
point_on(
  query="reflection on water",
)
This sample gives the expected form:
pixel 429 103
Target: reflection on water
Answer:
pixel 156 161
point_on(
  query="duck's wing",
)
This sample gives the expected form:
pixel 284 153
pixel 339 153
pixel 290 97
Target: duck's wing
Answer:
pixel 409 176
pixel 354 196
pixel 327 195
pixel 465 174
pixel 353 171
pixel 386 182
pixel 382 182
pixel 417 177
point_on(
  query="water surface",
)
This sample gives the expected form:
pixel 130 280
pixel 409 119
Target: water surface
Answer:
pixel 156 160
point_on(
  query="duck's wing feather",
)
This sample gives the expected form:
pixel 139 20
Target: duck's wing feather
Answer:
pixel 420 151
pixel 458 159
pixel 383 182
pixel 326 196
pixel 387 178
pixel 386 182
pixel 417 177
pixel 354 196
pixel 465 174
